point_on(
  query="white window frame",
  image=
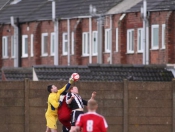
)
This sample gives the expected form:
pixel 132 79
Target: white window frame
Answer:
pixel 12 47
pixel 65 41
pixel 140 42
pixel 94 44
pixel 116 39
pixel 130 41
pixel 24 46
pixel 5 47
pixel 152 38
pixel 163 35
pixel 72 43
pixel 107 40
pixel 42 44
pixel 52 44
pixel 31 45
pixel 85 42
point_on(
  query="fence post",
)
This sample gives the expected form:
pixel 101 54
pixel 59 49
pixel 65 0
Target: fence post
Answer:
pixel 173 120
pixel 26 105
pixel 125 106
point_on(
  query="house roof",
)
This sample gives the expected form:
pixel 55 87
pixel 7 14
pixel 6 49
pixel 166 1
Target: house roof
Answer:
pixel 123 6
pixel 3 3
pixel 15 74
pixel 154 5
pixel 32 10
pixel 105 73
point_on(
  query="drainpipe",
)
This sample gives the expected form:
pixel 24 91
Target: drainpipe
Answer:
pixel 16 44
pixel 90 40
pixel 99 29
pixel 147 41
pixel 68 43
pixel 144 17
pixel 111 38
pixel 56 54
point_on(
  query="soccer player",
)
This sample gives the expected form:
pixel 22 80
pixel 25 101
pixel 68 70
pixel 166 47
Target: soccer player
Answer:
pixel 53 104
pixel 76 104
pixel 91 121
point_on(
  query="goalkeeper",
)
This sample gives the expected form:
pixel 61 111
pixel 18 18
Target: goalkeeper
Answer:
pixel 53 104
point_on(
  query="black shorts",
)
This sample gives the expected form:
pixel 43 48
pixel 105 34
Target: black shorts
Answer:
pixel 74 116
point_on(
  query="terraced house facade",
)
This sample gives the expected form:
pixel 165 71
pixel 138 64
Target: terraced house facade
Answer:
pixel 30 36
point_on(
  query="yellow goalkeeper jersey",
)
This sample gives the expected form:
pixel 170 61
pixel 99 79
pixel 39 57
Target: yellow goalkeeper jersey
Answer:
pixel 53 102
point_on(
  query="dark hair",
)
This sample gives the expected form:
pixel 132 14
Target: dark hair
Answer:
pixel 49 87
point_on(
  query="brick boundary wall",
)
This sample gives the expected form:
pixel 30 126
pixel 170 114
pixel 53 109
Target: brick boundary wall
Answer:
pixel 127 106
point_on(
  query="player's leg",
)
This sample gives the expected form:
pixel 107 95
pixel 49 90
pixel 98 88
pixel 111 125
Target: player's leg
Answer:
pixel 64 129
pixel 48 129
pixel 74 117
pixel 52 122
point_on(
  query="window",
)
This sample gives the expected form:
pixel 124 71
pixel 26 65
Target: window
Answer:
pixel 94 43
pixel 12 47
pixel 85 44
pixel 130 41
pixel 140 40
pixel 24 46
pixel 5 47
pixel 65 43
pixel 72 43
pixel 107 40
pixel 116 39
pixel 52 44
pixel 44 42
pixel 155 37
pixel 163 36
pixel 31 46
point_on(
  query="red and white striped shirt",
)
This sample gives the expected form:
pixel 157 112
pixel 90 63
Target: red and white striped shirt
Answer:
pixel 92 122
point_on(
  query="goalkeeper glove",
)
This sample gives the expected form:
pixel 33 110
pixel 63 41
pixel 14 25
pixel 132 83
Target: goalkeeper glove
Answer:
pixel 71 80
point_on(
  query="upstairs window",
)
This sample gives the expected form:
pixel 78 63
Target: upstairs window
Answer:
pixel 155 37
pixel 31 45
pixel 12 47
pixel 72 43
pixel 107 40
pixel 24 46
pixel 5 47
pixel 65 43
pixel 44 42
pixel 85 47
pixel 94 43
pixel 140 40
pixel 130 41
pixel 52 44
pixel 163 36
pixel 116 39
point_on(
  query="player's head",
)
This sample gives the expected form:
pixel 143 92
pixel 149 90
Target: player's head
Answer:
pixel 52 88
pixel 92 105
pixel 74 89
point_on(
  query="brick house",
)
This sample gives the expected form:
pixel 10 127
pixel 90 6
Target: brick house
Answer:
pixel 78 33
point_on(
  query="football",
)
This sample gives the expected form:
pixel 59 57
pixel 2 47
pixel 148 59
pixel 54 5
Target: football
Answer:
pixel 75 76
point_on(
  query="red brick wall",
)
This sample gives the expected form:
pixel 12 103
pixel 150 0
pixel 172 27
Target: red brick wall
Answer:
pixel 133 21
pixel 130 21
pixel 47 27
pixel 116 57
pixel 7 30
pixel 158 56
pixel 170 55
